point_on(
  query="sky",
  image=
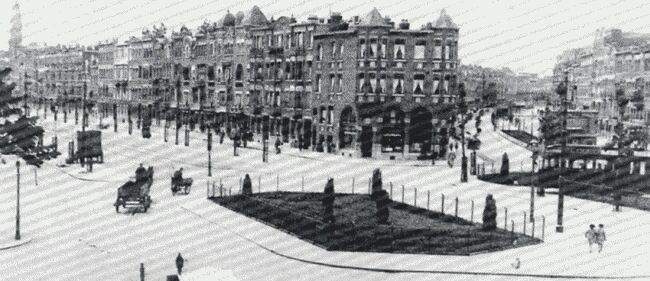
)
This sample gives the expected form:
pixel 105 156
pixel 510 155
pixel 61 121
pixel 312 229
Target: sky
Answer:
pixel 525 36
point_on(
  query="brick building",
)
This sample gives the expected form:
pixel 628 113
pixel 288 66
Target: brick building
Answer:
pixel 363 86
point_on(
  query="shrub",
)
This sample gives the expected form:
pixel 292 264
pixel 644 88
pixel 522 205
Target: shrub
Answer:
pixel 247 187
pixel 505 165
pixel 382 202
pixel 376 184
pixel 328 202
pixel 490 213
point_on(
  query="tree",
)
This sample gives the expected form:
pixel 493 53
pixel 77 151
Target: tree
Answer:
pixel 505 165
pixel 376 184
pixel 490 213
pixel 247 187
pixel 382 202
pixel 328 202
pixel 18 133
pixel 550 127
pixel 621 101
pixel 490 95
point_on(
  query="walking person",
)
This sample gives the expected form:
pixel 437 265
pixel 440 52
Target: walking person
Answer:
pixel 591 236
pixel 179 263
pixel 600 237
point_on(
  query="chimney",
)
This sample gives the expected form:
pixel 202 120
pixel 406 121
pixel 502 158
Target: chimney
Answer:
pixel 336 18
pixel 312 19
pixel 404 25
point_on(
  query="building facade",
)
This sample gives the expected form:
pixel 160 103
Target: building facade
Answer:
pixel 363 86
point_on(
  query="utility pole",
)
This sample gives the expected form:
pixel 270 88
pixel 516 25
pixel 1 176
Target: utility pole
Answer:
pixel 462 109
pixel 17 200
pixel 560 200
pixel 25 95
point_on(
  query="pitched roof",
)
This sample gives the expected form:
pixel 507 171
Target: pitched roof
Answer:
pixel 373 18
pixel 445 21
pixel 255 17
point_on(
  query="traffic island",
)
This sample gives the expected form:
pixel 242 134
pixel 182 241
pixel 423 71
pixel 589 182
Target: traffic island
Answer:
pixel 9 244
pixel 409 230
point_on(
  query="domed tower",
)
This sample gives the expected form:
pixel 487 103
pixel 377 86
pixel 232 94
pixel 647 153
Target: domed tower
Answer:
pixel 16 39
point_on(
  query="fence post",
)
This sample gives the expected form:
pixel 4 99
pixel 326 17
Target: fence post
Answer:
pixel 532 232
pixel 391 190
pixel 369 179
pixel 240 186
pixel 415 198
pixel 402 193
pixel 259 184
pixel 303 184
pixel 512 230
pixel 221 187
pixel 207 189
pixel 524 223
pixel 230 191
pixel 428 198
pixel 277 182
pixel 213 184
pixel 352 185
pixel 442 204
pixel 35 178
pixel 471 218
pixel 505 220
pixel 456 208
pixel 543 226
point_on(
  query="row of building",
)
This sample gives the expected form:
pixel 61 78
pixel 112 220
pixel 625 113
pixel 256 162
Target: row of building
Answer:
pixel 615 59
pixel 366 86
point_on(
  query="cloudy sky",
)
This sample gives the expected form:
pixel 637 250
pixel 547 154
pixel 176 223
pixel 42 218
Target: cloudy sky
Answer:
pixel 523 35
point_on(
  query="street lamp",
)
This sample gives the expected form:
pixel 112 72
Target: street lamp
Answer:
pixel 533 145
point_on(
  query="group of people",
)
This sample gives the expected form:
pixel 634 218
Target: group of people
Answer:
pixel 596 236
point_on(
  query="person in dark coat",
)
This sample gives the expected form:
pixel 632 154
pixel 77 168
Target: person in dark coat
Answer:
pixel 179 263
pixel 278 143
pixel 140 173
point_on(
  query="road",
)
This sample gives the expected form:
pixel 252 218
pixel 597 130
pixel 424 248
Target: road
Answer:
pixel 78 236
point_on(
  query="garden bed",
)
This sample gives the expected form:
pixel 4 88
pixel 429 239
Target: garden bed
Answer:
pixel 410 230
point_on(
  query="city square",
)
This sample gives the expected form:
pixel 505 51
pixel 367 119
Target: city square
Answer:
pixel 254 106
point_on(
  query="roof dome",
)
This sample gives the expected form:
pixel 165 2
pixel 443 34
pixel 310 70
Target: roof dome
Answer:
pixel 229 19
pixel 444 21
pixel 373 18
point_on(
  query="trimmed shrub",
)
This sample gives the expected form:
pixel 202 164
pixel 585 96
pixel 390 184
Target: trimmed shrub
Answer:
pixel 505 165
pixel 490 213
pixel 247 187
pixel 376 184
pixel 382 202
pixel 328 202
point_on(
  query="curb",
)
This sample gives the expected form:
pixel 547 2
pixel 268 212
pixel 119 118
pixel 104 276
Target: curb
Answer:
pixel 7 246
pixel 512 140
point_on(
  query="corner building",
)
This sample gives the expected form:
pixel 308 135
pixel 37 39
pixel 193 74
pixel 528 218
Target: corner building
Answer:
pixel 382 91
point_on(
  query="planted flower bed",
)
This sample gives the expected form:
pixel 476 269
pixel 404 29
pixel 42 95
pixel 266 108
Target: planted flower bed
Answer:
pixel 409 230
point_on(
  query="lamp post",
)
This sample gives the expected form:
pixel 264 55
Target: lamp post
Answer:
pixel 560 201
pixel 533 144
pixel 17 200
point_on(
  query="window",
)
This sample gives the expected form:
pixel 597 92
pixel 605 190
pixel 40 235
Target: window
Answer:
pixel 332 83
pixel 437 49
pixel 436 84
pixel 211 73
pixel 361 83
pixel 418 81
pixel 318 83
pixel 382 48
pixel 373 48
pixel 362 47
pixel 319 52
pixel 333 49
pixel 447 50
pixel 419 49
pixel 398 83
pixel 373 83
pixel 382 84
pixel 399 49
pixel 339 85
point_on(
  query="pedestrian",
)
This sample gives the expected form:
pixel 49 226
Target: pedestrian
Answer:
pixel 179 263
pixel 300 142
pixel 600 237
pixel 591 236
